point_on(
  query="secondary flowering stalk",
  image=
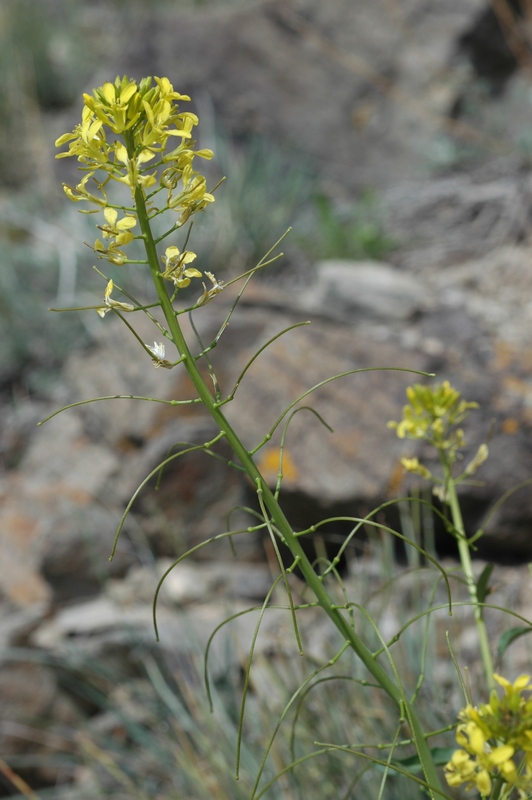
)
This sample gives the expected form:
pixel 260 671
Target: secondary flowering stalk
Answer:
pixel 433 415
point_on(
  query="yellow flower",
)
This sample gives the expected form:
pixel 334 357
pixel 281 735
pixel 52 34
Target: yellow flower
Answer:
pixel 478 761
pixel 115 105
pixel 111 253
pixel 119 229
pixel 167 90
pixel 176 269
pixel 110 303
pixel 81 193
pixel 87 141
pixel 521 684
pixel 413 465
pixel 194 196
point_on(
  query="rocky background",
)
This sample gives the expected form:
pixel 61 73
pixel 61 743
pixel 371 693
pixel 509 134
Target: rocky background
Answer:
pixel 424 103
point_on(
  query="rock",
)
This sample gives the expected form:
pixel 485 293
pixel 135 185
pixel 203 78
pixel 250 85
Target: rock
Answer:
pixel 35 715
pixel 16 625
pixel 472 335
pixel 442 221
pixel 103 632
pixel 190 581
pixel 346 289
pixel 354 460
pixel 50 504
pixel 487 46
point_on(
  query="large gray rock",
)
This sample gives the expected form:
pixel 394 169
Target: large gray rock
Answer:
pixel 345 290
pixel 444 220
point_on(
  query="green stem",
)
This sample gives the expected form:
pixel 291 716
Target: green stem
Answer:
pixel 497 789
pixel 278 518
pixel 467 567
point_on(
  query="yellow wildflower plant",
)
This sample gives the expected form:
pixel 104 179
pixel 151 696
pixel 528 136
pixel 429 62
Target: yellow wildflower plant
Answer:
pixel 490 736
pixel 433 415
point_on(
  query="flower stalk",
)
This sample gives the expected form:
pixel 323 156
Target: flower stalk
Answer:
pixel 464 552
pixel 278 517
pixel 433 415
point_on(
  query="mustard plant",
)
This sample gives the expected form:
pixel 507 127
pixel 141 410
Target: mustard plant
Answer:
pixel 133 137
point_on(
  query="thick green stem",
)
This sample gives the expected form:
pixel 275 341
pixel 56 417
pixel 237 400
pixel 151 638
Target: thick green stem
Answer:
pixel 467 567
pixel 277 516
pixel 497 789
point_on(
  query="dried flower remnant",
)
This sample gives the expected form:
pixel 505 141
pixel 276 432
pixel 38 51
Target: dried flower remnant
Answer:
pixel 158 351
pixel 110 303
pixel 208 294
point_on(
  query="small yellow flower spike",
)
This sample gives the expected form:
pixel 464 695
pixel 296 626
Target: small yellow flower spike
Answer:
pixel 490 736
pixel 432 414
pixel 144 117
pixel 123 136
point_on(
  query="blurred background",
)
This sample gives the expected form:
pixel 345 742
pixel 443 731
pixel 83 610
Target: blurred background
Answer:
pixel 315 121
pixel 395 138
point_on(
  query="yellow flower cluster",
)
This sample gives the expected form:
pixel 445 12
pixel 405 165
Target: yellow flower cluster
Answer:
pixel 490 737
pixel 144 118
pixel 431 414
